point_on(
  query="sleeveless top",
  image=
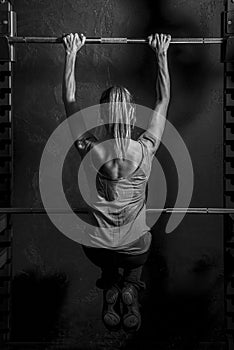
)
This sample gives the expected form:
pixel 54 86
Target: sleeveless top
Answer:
pixel 118 213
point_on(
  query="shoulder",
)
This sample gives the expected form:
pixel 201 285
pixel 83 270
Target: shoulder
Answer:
pixel 149 141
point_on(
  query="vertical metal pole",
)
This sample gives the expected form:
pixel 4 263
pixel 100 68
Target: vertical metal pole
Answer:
pixel 228 177
pixel 7 27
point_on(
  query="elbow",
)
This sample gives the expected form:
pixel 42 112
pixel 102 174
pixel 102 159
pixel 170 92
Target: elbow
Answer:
pixel 68 98
pixel 166 97
pixel 163 100
pixel 163 97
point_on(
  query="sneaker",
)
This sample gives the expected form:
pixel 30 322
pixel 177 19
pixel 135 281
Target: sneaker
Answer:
pixel 111 308
pixel 131 318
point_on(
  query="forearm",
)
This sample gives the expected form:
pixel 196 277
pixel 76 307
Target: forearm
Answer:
pixel 157 122
pixel 69 95
pixel 69 83
pixel 163 81
pixel 160 44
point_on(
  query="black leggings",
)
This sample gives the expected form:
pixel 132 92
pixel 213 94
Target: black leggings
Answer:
pixel 110 261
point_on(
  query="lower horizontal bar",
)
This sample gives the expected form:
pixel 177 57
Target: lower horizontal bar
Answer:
pixel 80 210
pixel 193 210
pixel 57 40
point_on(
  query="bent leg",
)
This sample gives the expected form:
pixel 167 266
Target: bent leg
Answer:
pixel 132 266
pixel 109 282
pixel 104 259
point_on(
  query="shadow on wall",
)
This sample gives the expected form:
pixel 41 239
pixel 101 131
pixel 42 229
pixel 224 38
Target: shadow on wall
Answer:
pixel 36 305
pixel 177 320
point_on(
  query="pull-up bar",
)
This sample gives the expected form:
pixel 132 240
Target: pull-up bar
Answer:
pixel 7 43
pixel 85 211
pixel 57 40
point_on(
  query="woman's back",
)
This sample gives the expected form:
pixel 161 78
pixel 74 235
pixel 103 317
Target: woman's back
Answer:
pixel 113 167
pixel 117 169
pixel 117 188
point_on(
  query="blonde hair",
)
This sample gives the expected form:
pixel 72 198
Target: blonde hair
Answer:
pixel 118 112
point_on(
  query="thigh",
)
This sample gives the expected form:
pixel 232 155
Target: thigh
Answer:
pixel 132 261
pixel 106 258
pixel 99 256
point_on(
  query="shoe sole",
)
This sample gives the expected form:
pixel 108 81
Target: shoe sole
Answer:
pixel 131 321
pixel 111 319
pixel 127 298
pixel 111 297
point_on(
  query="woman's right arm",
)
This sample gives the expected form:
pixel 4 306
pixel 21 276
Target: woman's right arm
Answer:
pixel 72 44
pixel 160 45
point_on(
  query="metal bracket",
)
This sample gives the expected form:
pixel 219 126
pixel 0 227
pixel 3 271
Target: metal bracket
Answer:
pixel 5 50
pixel 8 23
pixel 227 53
pixel 7 28
pixel 229 22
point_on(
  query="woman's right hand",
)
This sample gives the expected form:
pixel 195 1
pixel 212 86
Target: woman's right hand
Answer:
pixel 159 43
pixel 73 42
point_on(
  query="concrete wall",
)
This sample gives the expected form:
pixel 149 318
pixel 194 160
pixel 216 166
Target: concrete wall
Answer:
pixel 55 297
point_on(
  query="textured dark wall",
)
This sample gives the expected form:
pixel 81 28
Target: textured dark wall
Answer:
pixel 55 294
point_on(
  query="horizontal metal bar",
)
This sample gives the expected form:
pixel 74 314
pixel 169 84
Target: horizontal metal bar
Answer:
pixel 58 40
pixel 149 211
pixel 194 210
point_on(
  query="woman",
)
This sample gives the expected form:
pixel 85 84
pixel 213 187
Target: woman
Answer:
pixel 121 238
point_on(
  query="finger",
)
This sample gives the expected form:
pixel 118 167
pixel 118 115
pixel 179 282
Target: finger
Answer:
pixel 76 38
pixel 154 38
pixel 154 43
pixel 83 38
pixel 65 39
pixel 162 38
pixel 68 39
pixel 157 38
pixel 150 39
pixel 71 37
pixel 168 40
